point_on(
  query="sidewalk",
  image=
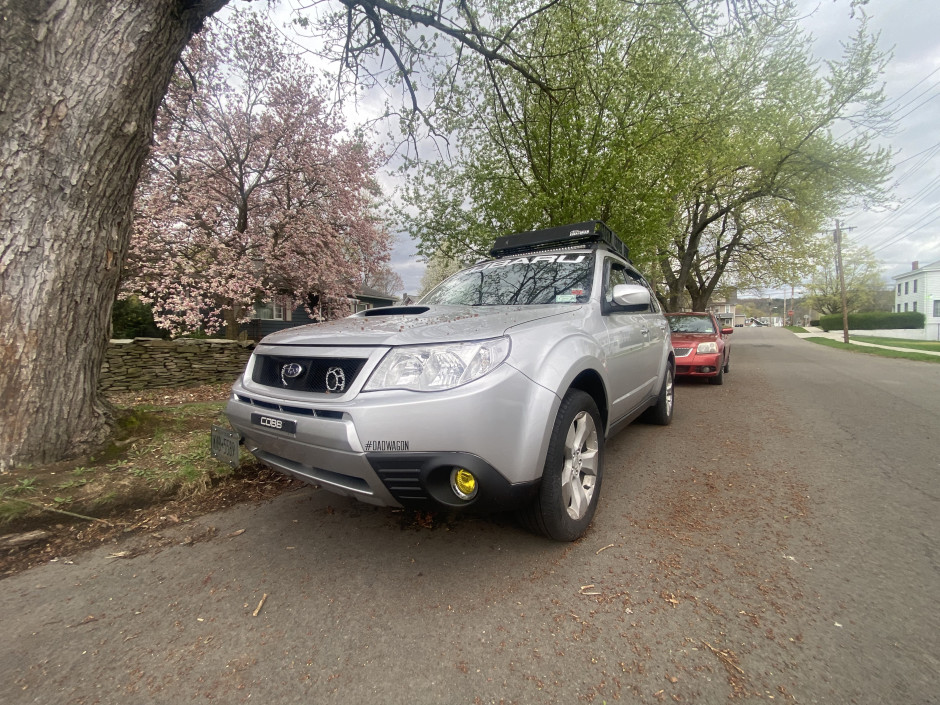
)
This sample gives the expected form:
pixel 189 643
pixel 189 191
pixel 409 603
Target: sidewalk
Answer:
pixel 812 332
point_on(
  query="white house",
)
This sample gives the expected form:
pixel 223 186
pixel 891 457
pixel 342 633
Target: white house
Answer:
pixel 726 312
pixel 919 290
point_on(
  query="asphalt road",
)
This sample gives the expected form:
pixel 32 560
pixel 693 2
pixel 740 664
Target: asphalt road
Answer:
pixel 779 541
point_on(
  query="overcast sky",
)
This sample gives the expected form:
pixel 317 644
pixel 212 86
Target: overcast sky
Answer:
pixel 909 230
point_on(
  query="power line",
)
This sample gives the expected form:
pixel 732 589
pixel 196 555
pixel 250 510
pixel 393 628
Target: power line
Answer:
pixel 917 97
pixel 907 233
pixel 914 156
pixel 891 117
pixel 928 76
pixel 918 107
pixel 929 189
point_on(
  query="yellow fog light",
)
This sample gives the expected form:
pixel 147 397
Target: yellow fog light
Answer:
pixel 463 483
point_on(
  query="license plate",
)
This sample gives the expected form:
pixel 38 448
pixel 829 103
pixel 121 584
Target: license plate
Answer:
pixel 273 423
pixel 225 445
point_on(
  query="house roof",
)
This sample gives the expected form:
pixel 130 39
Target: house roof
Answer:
pixel 932 267
pixel 375 294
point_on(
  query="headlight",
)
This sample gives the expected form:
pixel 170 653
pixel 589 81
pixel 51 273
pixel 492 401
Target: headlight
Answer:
pixel 706 348
pixel 431 368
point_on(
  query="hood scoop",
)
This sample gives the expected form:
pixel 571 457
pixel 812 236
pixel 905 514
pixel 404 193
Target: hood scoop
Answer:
pixel 395 311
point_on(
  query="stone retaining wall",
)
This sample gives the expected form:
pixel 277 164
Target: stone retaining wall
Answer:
pixel 147 363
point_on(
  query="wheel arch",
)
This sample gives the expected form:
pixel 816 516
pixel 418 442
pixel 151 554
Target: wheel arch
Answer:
pixel 589 381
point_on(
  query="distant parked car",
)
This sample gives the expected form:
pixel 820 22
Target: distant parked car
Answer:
pixel 700 345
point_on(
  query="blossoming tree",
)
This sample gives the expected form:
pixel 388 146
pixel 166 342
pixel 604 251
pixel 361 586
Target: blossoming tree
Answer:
pixel 252 192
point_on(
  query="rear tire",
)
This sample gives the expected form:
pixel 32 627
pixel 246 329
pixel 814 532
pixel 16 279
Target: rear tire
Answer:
pixel 571 479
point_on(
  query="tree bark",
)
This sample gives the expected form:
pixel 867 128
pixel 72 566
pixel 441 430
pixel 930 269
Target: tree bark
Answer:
pixel 80 82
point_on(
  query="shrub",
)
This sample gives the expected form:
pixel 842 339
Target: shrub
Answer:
pixel 874 320
pixel 132 319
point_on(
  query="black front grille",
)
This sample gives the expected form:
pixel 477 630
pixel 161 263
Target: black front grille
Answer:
pixel 322 375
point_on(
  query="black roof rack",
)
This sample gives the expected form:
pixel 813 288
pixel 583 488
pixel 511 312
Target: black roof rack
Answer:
pixel 592 231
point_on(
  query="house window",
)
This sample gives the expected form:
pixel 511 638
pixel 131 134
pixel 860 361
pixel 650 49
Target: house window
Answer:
pixel 915 286
pixel 915 305
pixel 899 288
pixel 269 312
pixel 362 306
pixel 905 307
pixel 899 305
pixel 906 285
pixel 936 308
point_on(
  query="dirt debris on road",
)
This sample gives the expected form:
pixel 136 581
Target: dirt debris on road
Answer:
pixel 760 549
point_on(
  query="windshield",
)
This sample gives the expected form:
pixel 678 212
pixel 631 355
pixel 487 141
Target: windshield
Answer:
pixel 537 279
pixel 691 324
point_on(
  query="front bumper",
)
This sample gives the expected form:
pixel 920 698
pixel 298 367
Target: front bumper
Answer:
pixel 397 448
pixel 695 365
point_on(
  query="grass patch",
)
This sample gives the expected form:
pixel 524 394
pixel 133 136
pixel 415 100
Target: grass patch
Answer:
pixel 170 450
pixel 797 329
pixel 159 453
pixel 931 345
pixel 881 352
pixel 157 473
pixel 11 510
pixel 24 484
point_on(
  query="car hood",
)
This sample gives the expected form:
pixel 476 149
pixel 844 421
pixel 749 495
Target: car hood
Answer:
pixel 416 325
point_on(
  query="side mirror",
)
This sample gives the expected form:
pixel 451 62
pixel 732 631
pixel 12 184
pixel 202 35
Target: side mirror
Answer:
pixel 727 331
pixel 631 295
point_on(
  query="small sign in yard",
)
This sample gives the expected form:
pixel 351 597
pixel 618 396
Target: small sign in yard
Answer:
pixel 225 445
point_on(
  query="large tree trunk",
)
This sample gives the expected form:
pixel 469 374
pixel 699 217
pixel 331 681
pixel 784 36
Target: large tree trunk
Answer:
pixel 80 82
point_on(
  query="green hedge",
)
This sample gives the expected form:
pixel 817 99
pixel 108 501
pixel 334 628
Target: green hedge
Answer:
pixel 874 320
pixel 132 319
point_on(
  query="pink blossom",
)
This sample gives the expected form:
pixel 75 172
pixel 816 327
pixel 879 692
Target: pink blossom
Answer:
pixel 252 192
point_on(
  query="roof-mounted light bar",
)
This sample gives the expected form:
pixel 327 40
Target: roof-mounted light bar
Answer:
pixel 592 231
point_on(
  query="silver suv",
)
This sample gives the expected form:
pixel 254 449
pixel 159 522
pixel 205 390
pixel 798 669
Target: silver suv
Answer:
pixel 496 391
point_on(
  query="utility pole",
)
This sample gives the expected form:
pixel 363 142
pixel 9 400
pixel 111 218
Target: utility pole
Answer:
pixel 792 306
pixel 837 236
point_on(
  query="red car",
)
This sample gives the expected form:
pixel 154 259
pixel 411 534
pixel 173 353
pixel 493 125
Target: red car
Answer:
pixel 700 345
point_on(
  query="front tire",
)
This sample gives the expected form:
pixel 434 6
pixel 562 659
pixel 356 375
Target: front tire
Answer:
pixel 718 378
pixel 571 479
